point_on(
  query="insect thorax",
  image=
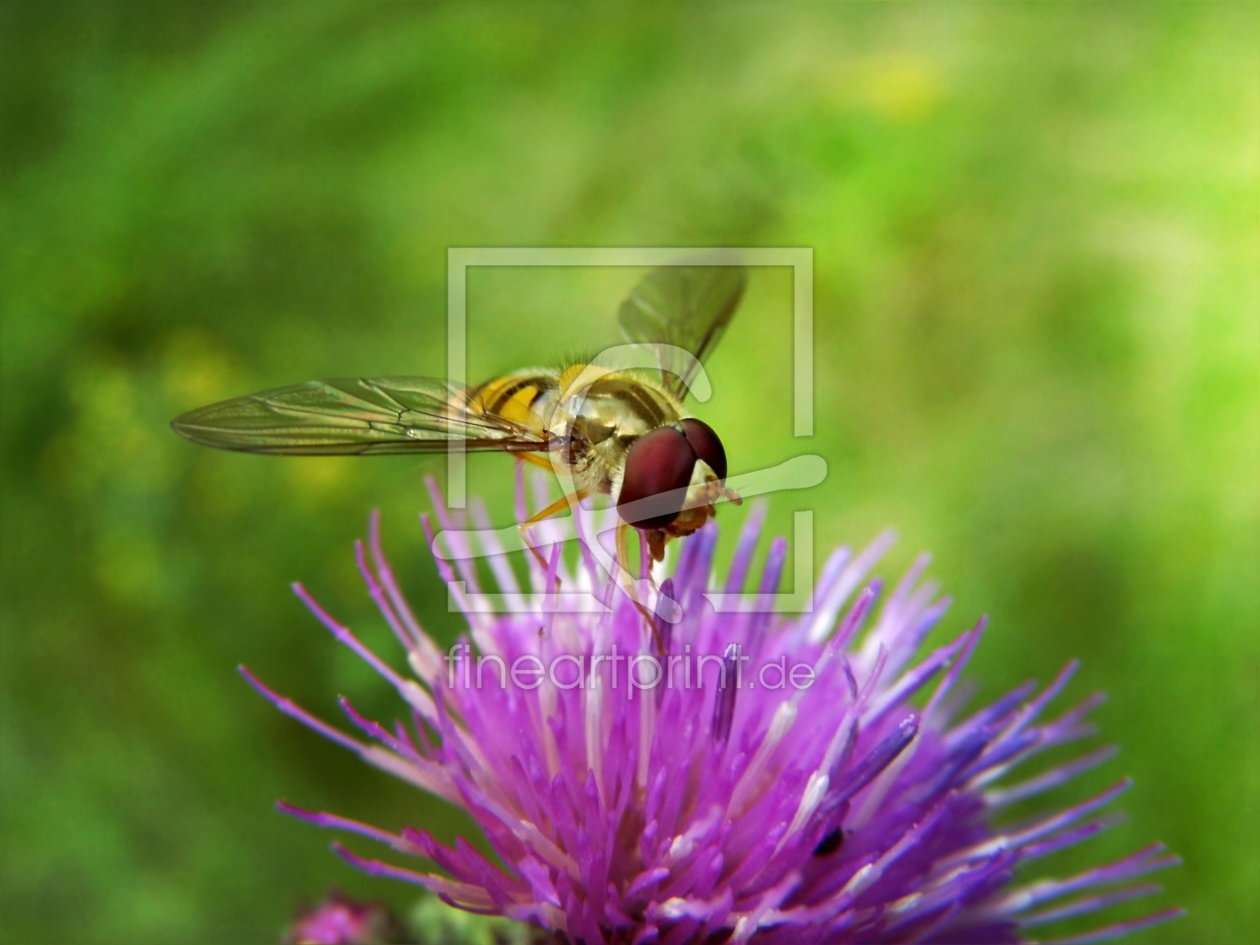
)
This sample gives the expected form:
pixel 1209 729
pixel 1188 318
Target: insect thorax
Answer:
pixel 599 421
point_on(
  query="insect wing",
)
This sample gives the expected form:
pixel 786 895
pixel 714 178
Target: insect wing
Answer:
pixel 685 307
pixel 355 416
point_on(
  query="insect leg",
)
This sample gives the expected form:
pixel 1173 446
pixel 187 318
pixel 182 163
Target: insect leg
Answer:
pixel 564 502
pixel 534 458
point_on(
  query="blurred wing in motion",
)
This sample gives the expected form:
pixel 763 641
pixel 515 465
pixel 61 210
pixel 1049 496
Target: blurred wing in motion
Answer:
pixel 356 416
pixel 684 306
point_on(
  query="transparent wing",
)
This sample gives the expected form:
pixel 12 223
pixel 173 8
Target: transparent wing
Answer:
pixel 354 416
pixel 686 307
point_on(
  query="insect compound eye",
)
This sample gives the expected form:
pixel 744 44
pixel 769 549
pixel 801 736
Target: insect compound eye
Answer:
pixel 706 444
pixel 659 462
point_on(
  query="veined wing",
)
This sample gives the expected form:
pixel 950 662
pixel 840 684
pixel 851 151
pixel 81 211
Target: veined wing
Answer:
pixel 354 416
pixel 686 307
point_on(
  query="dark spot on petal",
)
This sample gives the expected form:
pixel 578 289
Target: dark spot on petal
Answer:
pixel 831 842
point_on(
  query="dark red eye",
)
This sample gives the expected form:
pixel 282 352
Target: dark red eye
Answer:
pixel 659 462
pixel 706 444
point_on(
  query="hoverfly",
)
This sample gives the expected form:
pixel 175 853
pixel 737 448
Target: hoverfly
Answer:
pixel 614 432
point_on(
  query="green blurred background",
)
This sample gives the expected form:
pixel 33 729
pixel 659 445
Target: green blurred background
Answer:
pixel 1035 238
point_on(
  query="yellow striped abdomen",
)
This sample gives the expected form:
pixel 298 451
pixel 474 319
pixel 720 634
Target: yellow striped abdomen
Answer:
pixel 515 397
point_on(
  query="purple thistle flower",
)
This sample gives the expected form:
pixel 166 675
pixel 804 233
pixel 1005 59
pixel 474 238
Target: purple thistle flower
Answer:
pixel 803 779
pixel 340 920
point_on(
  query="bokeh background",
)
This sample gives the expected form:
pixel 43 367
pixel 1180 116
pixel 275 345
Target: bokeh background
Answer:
pixel 1035 237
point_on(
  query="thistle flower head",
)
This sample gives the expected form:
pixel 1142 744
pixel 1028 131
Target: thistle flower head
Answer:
pixel 748 776
pixel 340 920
